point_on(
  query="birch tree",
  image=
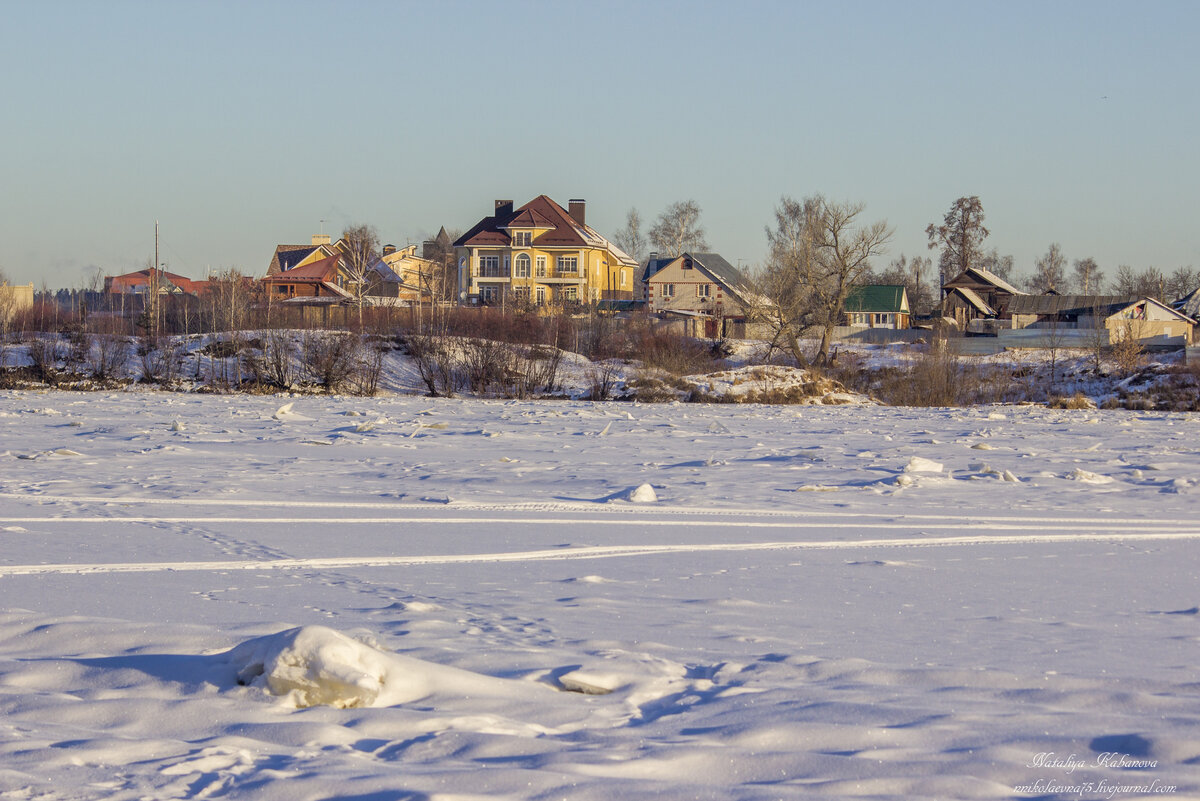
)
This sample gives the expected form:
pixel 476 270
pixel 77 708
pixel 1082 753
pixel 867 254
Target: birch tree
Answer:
pixel 1088 277
pixel 677 230
pixel 360 247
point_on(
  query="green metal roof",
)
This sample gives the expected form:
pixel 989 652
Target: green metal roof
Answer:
pixel 877 298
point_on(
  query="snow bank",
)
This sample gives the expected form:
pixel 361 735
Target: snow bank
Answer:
pixel 775 384
pixel 644 493
pixel 317 666
pixel 919 464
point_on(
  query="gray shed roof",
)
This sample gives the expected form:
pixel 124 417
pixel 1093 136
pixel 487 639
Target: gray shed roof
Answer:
pixel 1079 305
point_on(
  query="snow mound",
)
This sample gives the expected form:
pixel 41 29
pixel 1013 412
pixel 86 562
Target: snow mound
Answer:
pixel 590 683
pixel 286 414
pixel 919 464
pixel 643 494
pixel 1088 477
pixel 316 666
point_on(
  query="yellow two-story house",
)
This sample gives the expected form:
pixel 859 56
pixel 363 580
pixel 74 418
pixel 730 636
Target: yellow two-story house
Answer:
pixel 542 255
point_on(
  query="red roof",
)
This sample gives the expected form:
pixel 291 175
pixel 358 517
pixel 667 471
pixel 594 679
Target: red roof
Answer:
pixel 529 218
pixel 140 282
pixel 316 272
pixel 541 212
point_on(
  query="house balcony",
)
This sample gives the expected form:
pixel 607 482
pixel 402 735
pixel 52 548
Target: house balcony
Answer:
pixel 553 276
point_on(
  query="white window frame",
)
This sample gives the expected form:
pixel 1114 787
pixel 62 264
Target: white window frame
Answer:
pixel 570 293
pixel 522 239
pixel 540 295
pixel 704 290
pixel 568 265
pixel 489 293
pixel 541 266
pixel 522 265
pixel 489 266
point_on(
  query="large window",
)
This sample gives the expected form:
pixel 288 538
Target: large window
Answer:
pixel 568 264
pixel 541 266
pixel 489 293
pixel 570 293
pixel 522 239
pixel 522 265
pixel 489 266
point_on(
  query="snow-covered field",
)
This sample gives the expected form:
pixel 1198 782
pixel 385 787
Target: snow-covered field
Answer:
pixel 405 598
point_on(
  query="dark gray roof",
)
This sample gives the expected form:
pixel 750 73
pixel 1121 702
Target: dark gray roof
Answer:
pixel 654 265
pixel 289 258
pixel 385 272
pixel 1189 304
pixel 1080 305
pixel 713 263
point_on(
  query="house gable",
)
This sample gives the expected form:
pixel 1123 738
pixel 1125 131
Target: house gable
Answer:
pixel 703 283
pixel 289 257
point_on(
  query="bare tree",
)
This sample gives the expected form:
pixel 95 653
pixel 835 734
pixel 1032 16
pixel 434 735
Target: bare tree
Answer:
pixel 1098 335
pixel 1000 266
pixel 360 248
pixel 1182 283
pixel 1050 272
pixel 818 252
pixel 959 237
pixel 1152 283
pixel 677 230
pixel 911 274
pixel 1125 282
pixel 1088 276
pixel 630 238
pixel 8 313
pixel 1127 350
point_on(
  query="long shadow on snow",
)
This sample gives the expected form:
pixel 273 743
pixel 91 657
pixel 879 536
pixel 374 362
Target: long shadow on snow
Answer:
pixel 178 668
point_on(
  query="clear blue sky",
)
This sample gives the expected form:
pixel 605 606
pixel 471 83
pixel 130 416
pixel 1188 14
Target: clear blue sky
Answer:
pixel 239 126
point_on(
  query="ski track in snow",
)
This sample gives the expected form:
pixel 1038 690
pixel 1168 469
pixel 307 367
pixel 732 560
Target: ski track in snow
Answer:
pixel 596 552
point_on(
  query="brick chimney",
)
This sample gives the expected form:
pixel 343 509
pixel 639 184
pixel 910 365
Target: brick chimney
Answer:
pixel 578 209
pixel 503 208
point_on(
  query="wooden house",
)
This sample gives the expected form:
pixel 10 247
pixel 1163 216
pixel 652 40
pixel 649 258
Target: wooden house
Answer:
pixel 975 294
pixel 877 306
